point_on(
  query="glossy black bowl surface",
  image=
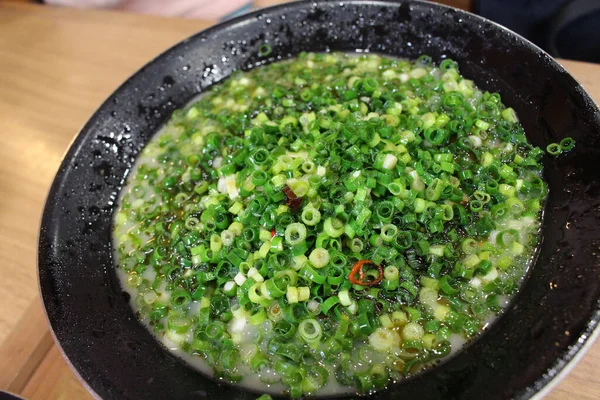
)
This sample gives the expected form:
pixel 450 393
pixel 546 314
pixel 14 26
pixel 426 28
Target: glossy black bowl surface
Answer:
pixel 550 319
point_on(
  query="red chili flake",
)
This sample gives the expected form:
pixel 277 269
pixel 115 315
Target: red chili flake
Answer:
pixel 358 269
pixel 273 233
pixel 293 201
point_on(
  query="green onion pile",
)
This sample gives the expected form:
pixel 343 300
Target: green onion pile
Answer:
pixel 330 222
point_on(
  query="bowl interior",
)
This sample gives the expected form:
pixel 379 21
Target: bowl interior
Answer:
pixel 547 323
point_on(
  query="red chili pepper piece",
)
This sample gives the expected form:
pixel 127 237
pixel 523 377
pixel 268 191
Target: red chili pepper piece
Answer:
pixel 293 201
pixel 273 233
pixel 358 269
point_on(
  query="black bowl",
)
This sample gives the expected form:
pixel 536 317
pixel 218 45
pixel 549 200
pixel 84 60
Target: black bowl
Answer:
pixel 545 327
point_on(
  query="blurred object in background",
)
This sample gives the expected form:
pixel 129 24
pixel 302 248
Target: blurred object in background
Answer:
pixel 574 32
pixel 200 9
pixel 564 28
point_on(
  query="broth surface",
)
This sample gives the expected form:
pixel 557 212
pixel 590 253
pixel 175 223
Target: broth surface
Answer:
pixel 329 224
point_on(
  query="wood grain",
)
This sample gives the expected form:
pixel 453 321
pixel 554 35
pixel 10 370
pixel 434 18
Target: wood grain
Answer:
pixel 24 349
pixel 54 380
pixel 583 383
pixel 56 66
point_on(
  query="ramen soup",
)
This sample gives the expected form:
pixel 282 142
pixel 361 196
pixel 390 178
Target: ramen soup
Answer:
pixel 330 223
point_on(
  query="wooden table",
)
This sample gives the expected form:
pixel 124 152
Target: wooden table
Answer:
pixel 56 67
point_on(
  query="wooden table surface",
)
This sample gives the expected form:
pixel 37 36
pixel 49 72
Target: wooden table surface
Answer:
pixel 56 67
